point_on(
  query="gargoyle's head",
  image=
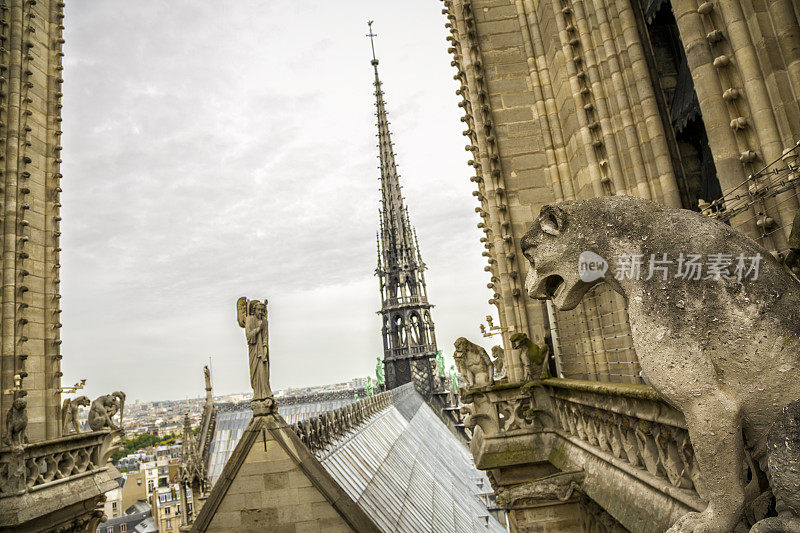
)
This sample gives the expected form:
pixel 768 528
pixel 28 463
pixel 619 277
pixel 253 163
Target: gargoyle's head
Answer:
pixel 518 340
pixel 462 346
pixel 553 245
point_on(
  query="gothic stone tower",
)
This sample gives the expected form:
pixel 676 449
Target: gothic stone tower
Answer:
pixel 409 342
pixel 51 478
pixel 30 144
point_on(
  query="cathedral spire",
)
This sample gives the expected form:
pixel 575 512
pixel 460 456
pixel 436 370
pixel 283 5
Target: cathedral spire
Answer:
pixel 408 332
pixel 396 235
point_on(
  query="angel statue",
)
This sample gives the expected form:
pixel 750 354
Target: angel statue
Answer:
pixel 453 379
pixel 440 363
pixel 252 316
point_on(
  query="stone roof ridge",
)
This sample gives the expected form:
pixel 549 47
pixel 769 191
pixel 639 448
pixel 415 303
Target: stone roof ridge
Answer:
pixel 324 430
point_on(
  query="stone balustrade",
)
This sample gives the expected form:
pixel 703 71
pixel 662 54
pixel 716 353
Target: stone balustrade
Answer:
pixel 509 426
pixel 503 409
pixel 632 424
pixel 42 464
pixel 322 430
pixel 630 445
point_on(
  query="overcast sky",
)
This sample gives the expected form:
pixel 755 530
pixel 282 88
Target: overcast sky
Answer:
pixel 216 150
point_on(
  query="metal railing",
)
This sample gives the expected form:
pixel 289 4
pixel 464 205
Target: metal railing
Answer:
pixel 778 182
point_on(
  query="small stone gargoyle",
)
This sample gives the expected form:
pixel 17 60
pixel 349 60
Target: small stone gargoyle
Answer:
pixel 499 361
pixel 17 423
pixel 531 356
pixel 69 414
pixel 473 363
pixel 104 408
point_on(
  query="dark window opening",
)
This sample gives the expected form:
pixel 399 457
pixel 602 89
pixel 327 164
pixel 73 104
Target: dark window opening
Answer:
pixel 697 175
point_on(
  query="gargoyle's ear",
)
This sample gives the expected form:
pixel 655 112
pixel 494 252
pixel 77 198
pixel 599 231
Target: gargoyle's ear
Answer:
pixel 552 219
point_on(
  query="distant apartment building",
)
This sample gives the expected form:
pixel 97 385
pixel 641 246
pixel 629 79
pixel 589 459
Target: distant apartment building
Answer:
pixel 138 522
pixel 167 508
pixel 132 461
pixel 134 489
pixel 167 429
pixel 156 475
pixel 168 452
pixel 113 507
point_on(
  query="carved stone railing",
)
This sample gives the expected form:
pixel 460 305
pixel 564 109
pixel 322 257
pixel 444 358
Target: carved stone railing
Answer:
pixel 318 432
pixel 389 302
pixel 503 409
pixel 509 426
pixel 603 433
pixel 632 446
pixel 630 423
pixel 38 465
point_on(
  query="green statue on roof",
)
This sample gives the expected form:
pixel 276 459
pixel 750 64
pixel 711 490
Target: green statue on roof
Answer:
pixel 379 373
pixel 369 389
pixel 440 363
pixel 453 379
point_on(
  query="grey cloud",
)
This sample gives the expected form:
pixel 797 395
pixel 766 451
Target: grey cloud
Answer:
pixel 215 152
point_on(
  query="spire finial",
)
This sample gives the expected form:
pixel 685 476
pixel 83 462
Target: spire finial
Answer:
pixel 371 41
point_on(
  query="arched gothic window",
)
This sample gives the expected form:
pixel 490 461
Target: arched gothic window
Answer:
pixel 399 331
pixel 417 331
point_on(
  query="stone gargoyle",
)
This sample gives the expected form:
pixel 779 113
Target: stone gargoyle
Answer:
pixel 722 348
pixel 499 363
pixel 103 409
pixel 17 423
pixel 69 414
pixel 473 363
pixel 531 355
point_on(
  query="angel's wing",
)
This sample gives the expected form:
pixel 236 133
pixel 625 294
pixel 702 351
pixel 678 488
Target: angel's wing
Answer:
pixel 241 310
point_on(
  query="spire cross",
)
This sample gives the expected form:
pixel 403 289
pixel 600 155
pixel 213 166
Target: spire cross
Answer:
pixel 371 41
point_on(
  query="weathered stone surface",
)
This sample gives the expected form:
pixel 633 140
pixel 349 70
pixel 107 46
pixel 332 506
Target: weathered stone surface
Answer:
pixel 783 443
pixel 473 363
pixel 722 349
pixel 273 483
pixel 558 487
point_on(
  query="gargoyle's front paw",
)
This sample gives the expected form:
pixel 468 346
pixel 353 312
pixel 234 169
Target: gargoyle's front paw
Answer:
pixel 705 522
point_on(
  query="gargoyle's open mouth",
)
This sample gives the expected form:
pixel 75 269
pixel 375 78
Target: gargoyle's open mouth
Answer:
pixel 553 285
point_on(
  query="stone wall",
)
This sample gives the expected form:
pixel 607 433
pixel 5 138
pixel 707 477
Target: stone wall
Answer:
pixel 561 102
pixel 745 61
pixel 30 144
pixel 558 106
pixel 271 492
